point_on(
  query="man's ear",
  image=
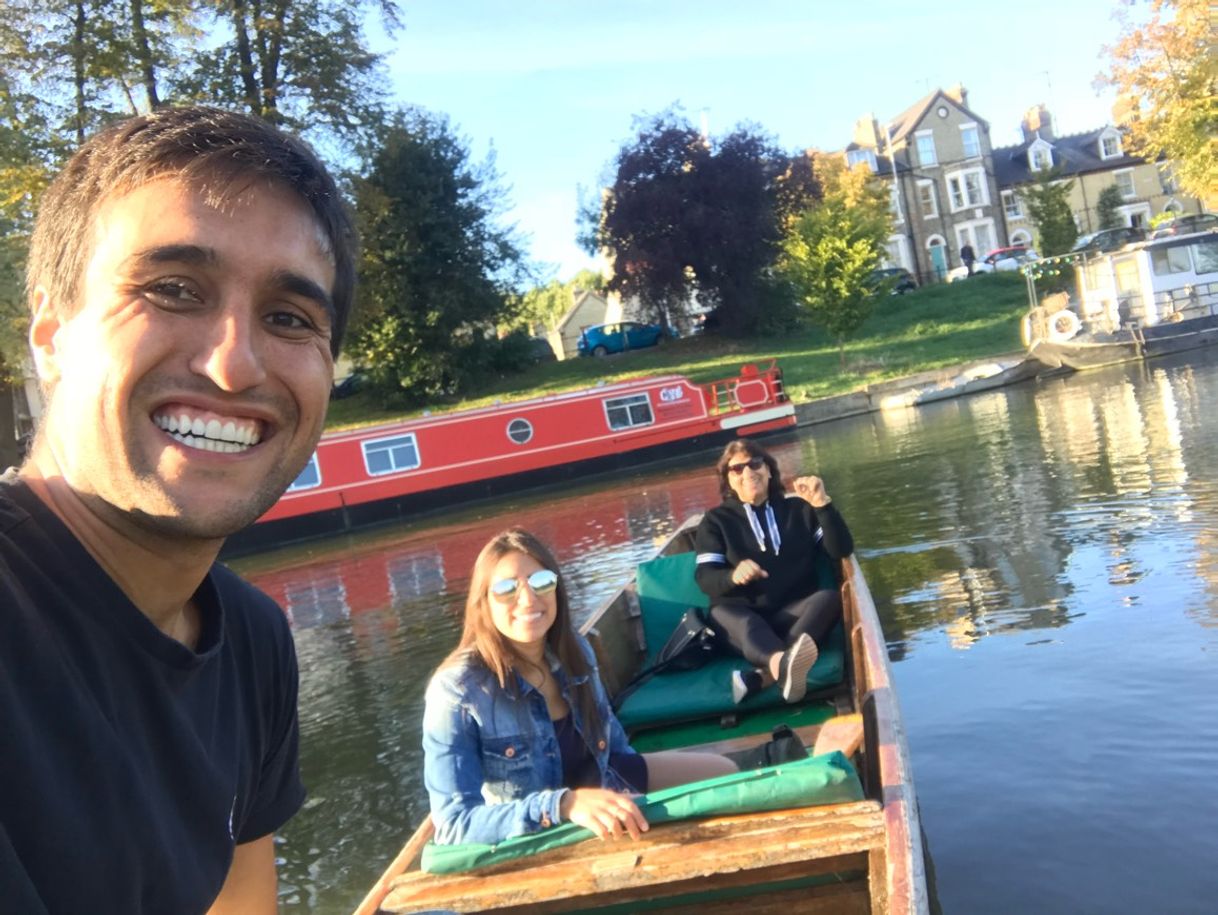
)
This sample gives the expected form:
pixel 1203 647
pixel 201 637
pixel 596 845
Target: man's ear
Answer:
pixel 45 324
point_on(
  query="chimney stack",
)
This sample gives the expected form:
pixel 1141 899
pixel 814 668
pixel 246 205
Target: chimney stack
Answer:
pixel 958 94
pixel 1037 121
pixel 867 132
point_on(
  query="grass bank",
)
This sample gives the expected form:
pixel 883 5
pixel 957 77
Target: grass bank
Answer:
pixel 929 328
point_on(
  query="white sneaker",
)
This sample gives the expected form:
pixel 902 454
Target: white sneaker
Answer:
pixel 794 666
pixel 744 684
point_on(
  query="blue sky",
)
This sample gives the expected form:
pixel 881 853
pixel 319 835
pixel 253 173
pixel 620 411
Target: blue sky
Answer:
pixel 553 85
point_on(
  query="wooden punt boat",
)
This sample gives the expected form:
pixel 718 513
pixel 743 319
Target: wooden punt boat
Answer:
pixel 861 856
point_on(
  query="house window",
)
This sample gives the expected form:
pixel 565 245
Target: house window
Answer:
pixel 1041 158
pixel 927 202
pixel 1124 183
pixel 926 148
pixel 626 412
pixel 865 156
pixel 1110 145
pixel 971 140
pixel 309 477
pixel 1011 205
pixel 387 455
pixel 967 189
pixel 520 431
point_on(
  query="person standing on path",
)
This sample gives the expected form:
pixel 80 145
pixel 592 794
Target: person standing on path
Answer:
pixel 190 277
pixel 967 257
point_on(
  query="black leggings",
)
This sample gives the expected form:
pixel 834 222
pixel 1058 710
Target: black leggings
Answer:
pixel 758 637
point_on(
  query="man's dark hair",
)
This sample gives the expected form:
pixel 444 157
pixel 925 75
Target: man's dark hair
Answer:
pixel 747 449
pixel 219 152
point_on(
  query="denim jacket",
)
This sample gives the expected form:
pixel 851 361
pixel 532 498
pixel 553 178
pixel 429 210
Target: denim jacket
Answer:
pixel 491 762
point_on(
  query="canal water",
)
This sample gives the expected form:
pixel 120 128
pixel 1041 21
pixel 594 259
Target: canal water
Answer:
pixel 1044 559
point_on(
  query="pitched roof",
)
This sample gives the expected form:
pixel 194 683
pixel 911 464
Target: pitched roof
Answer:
pixel 1076 154
pixel 904 123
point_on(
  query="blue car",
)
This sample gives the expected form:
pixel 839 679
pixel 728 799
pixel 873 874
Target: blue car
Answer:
pixel 603 339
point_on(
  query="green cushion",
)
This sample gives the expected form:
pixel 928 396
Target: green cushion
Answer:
pixel 825 779
pixel 707 691
pixel 666 589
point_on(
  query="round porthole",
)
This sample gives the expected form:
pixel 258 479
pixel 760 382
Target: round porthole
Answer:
pixel 520 431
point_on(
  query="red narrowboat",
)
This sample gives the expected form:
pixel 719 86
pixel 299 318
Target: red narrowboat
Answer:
pixel 387 472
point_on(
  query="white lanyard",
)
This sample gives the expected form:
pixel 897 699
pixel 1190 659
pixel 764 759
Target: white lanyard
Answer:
pixel 755 524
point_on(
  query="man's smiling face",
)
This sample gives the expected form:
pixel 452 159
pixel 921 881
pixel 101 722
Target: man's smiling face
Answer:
pixel 189 384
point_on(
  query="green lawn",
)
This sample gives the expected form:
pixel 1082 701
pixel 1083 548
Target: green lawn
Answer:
pixel 929 328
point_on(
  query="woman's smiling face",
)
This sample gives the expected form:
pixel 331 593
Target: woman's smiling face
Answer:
pixel 525 616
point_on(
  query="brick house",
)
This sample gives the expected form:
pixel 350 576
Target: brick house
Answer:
pixel 1093 160
pixel 937 158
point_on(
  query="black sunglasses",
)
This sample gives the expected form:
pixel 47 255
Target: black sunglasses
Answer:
pixel 751 464
pixel 543 582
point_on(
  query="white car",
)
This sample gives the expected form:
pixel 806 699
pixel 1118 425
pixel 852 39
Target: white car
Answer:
pixel 999 259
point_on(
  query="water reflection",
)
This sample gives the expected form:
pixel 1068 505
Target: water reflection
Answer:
pixel 1029 534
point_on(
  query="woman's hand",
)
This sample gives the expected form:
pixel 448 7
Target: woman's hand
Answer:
pixel 606 813
pixel 748 571
pixel 812 490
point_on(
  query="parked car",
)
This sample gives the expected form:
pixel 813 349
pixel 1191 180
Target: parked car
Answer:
pixel 603 339
pixel 1109 239
pixel 540 350
pixel 898 279
pixel 1011 257
pixel 1185 225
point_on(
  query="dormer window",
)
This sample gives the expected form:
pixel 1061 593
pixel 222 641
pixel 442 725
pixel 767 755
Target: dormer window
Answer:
pixel 1040 156
pixel 865 155
pixel 1110 144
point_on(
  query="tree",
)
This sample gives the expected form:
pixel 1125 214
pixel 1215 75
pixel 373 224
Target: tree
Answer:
pixel 1166 68
pixel 303 63
pixel 1048 200
pixel 546 305
pixel 1107 207
pixel 690 217
pixel 830 251
pixel 436 272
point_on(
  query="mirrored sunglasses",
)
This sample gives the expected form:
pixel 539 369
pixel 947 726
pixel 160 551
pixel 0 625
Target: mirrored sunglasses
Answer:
pixel 751 464
pixel 543 582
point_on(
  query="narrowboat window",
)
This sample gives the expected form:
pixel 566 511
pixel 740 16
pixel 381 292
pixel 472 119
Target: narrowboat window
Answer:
pixel 309 477
pixel 625 412
pixel 1205 255
pixel 387 455
pixel 1165 261
pixel 520 430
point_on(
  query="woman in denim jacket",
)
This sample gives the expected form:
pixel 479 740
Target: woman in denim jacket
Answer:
pixel 518 734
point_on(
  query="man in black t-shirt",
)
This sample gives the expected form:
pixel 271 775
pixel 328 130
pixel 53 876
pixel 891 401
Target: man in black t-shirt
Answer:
pixel 190 277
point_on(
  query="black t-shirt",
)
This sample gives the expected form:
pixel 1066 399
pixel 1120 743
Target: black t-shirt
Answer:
pixel 131 765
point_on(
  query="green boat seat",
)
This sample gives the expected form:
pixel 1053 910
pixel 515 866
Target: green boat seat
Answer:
pixel 666 589
pixel 826 779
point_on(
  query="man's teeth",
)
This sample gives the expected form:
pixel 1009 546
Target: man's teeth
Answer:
pixel 209 435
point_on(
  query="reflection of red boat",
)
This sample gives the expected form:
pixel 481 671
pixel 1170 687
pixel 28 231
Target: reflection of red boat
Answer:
pixel 382 472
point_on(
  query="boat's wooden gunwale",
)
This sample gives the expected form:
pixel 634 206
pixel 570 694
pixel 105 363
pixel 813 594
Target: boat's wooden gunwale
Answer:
pixel 671 860
pixel 880 836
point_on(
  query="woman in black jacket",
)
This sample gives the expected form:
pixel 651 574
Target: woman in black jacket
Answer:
pixel 757 556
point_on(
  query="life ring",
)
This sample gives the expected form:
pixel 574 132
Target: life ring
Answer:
pixel 1063 325
pixel 1025 330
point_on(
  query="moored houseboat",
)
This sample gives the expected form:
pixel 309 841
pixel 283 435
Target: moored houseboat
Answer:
pixel 1148 299
pixel 382 473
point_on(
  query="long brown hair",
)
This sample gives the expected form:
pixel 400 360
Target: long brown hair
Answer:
pixel 747 448
pixel 480 638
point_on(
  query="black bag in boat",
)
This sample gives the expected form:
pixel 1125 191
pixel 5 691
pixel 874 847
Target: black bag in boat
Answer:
pixel 690 646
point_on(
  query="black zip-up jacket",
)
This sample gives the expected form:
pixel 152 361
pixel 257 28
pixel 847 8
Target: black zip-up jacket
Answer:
pixel 725 538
